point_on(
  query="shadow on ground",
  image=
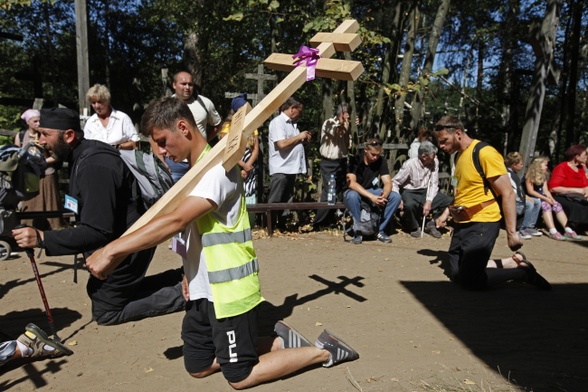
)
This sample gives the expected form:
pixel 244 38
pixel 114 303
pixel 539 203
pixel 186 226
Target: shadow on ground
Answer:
pixel 537 340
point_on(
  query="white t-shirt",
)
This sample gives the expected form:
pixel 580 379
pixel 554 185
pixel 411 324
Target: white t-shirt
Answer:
pixel 120 129
pixel 225 190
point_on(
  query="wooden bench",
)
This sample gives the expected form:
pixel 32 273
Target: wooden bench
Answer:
pixel 267 208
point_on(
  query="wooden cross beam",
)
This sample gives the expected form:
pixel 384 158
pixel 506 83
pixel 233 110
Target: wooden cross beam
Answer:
pixel 232 147
pixel 261 77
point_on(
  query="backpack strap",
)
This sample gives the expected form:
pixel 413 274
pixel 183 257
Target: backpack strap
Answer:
pixel 478 166
pixel 201 102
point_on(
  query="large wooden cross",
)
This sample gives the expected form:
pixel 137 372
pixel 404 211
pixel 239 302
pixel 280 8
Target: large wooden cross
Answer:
pixel 230 149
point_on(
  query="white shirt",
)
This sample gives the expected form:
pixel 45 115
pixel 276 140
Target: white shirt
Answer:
pixel 287 160
pixel 225 190
pixel 202 119
pixel 119 129
pixel 414 175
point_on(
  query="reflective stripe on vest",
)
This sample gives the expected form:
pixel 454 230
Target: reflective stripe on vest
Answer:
pixel 231 262
pixel 234 273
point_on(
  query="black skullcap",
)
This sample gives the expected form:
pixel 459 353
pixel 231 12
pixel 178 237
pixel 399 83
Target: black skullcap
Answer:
pixel 60 118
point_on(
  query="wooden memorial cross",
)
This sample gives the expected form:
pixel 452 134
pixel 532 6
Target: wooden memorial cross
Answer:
pixel 261 77
pixel 230 149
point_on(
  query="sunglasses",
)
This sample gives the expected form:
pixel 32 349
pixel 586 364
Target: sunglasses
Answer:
pixel 375 143
pixel 442 127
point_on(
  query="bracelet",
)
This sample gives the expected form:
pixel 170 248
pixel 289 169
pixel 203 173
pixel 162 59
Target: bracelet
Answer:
pixel 40 242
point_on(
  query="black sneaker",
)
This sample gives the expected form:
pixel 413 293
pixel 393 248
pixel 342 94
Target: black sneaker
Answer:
pixel 291 338
pixel 383 237
pixel 340 351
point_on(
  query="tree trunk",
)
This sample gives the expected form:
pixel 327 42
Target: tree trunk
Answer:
pixel 417 110
pixel 543 41
pixel 405 72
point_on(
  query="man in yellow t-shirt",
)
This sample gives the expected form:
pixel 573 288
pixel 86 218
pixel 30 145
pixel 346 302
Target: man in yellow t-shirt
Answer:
pixel 477 215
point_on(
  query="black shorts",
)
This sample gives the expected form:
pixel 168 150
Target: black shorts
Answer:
pixel 230 340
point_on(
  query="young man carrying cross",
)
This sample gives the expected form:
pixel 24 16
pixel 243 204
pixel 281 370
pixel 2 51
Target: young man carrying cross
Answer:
pixel 221 283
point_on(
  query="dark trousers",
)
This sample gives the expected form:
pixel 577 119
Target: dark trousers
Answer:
pixel 337 167
pixel 470 249
pixel 157 295
pixel 281 191
pixel 414 199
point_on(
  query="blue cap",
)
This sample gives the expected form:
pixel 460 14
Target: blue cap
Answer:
pixel 238 101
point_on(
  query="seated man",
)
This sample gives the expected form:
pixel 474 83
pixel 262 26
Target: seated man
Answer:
pixel 419 180
pixel 363 183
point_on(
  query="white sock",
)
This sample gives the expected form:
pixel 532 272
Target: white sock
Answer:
pixel 552 231
pixel 24 350
pixel 568 230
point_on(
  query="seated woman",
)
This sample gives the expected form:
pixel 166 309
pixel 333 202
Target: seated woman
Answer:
pixel 569 185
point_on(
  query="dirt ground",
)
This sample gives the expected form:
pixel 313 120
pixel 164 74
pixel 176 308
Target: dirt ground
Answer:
pixel 414 330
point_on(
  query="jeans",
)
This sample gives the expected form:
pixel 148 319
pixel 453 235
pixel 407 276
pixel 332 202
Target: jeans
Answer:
pixel 353 203
pixel 337 167
pixel 532 211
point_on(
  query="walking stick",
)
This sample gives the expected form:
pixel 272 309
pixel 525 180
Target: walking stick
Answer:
pixel 31 254
pixel 424 216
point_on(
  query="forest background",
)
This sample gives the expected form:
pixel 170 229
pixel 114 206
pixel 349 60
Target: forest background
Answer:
pixel 510 69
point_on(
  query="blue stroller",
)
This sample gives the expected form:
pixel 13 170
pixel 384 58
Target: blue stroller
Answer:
pixel 20 170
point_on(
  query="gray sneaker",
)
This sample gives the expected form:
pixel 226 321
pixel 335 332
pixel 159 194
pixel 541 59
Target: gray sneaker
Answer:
pixel 36 339
pixel 524 235
pixel 383 237
pixel 291 338
pixel 358 239
pixel 340 351
pixel 533 232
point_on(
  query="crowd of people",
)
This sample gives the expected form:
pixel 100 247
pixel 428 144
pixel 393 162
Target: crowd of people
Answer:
pixel 218 285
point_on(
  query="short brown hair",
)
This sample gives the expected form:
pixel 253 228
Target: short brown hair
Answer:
pixel 163 113
pixel 449 124
pixel 512 158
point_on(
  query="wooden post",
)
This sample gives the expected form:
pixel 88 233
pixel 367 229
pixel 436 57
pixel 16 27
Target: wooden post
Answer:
pixel 82 54
pixel 254 119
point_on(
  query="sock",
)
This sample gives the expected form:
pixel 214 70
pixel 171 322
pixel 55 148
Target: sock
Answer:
pixel 568 230
pixel 552 231
pixel 24 350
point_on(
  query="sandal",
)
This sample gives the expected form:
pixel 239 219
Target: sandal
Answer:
pixel 533 276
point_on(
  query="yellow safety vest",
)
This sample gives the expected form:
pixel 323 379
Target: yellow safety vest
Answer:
pixel 232 264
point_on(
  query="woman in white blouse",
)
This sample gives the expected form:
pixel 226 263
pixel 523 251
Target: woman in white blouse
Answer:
pixel 108 124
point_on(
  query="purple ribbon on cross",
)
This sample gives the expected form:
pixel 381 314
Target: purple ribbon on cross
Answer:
pixel 309 57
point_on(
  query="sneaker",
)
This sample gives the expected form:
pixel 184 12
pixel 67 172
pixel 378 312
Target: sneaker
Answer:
pixel 557 236
pixel 357 239
pixel 571 235
pixel 416 233
pixel 383 237
pixel 340 351
pixel 523 235
pixel 533 232
pixel 291 338
pixel 36 339
pixel 432 230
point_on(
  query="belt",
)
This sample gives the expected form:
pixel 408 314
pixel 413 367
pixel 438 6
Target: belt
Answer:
pixel 479 207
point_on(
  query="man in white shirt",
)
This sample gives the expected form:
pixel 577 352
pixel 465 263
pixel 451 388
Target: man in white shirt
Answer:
pixel 221 282
pixel 286 153
pixel 419 180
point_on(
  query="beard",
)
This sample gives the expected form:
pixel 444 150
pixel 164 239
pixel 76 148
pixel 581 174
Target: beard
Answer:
pixel 61 150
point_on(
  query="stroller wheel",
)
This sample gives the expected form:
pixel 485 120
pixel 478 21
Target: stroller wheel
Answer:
pixel 5 250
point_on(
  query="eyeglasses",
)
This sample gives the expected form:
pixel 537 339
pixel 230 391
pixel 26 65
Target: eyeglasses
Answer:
pixel 375 143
